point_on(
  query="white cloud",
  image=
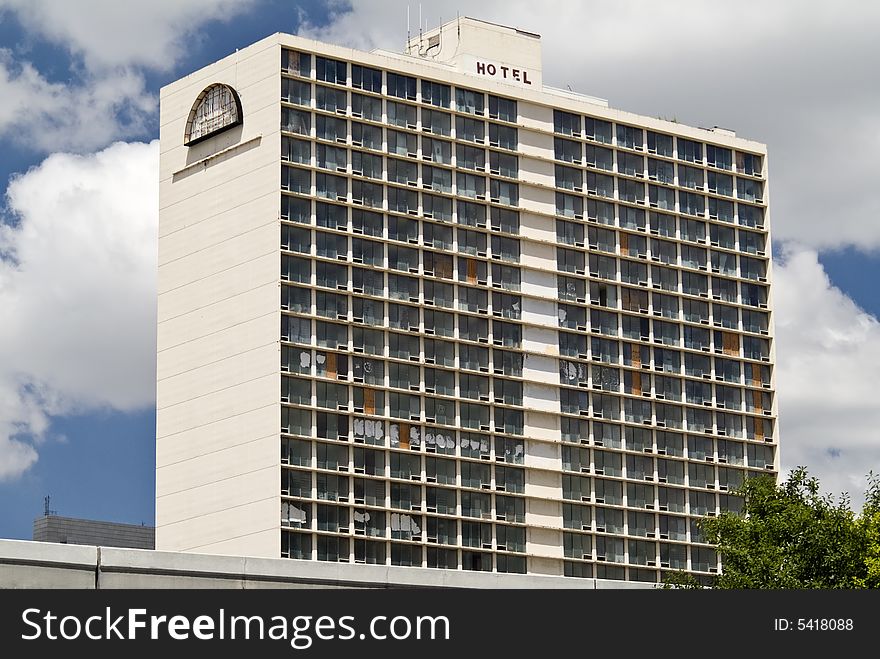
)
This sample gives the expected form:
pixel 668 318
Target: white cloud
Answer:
pixel 828 350
pixel 109 34
pixel 47 116
pixel 792 74
pixel 111 44
pixel 78 290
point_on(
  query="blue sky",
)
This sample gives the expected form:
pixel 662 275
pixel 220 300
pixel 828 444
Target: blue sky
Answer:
pixel 79 87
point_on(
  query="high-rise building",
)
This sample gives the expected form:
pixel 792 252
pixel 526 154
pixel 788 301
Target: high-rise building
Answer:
pixel 420 309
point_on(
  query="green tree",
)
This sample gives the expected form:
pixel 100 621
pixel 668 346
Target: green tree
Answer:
pixel 791 536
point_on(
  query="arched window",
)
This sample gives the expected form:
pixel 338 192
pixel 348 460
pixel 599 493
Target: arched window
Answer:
pixel 216 109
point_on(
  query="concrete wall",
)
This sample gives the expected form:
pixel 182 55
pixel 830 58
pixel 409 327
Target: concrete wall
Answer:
pixel 218 381
pixel 25 564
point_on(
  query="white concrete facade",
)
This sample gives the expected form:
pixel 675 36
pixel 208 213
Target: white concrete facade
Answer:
pixel 220 477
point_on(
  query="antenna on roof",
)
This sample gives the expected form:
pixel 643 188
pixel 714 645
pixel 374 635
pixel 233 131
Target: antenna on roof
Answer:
pixel 420 28
pixel 408 38
pixel 46 510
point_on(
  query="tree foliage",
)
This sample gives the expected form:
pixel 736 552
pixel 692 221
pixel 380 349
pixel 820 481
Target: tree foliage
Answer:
pixel 789 536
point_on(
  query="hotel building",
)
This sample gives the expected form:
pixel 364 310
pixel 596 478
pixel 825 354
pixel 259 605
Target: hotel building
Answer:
pixel 421 309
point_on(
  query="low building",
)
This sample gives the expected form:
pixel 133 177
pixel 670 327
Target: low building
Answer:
pixel 71 531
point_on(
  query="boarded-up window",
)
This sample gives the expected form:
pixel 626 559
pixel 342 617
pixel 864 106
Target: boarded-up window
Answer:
pixel 636 382
pixel 756 374
pixel 730 343
pixel 624 244
pixel 471 271
pixel 636 356
pixel 369 401
pixel 403 435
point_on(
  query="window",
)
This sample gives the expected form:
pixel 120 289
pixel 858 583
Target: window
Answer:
pixel 566 123
pixel 690 150
pixel 296 91
pixel 436 122
pixel 401 114
pixel 331 157
pixel 297 63
pixel 719 157
pixel 504 192
pixel 297 151
pixel 720 209
pixel 631 191
pixel 296 180
pixel 567 150
pixel 598 130
pixel 502 108
pixel 569 233
pixel 600 157
pixel 690 177
pixel 750 216
pixel 629 137
pixel 569 178
pixel 571 206
pixel 600 211
pixel 296 121
pixel 437 179
pixel 509 479
pixel 330 99
pixel 467 100
pixel 504 137
pixel 748 163
pixel 472 130
pixel 609 492
pixel 365 78
pixel 330 70
pixel 693 230
pixel 505 220
pixel 751 243
pixel 630 164
pixel 468 157
pixel 401 86
pixel 504 164
pixel 435 93
pixel 297 483
pixel 600 184
pixel 331 128
pixel 660 144
pixel 609 521
pixel 749 190
pixel 693 257
pixel 402 144
pixel 720 184
pixel 662 224
pixel 367 136
pixel 437 151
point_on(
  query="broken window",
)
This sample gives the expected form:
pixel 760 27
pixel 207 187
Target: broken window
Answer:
pixel 369 431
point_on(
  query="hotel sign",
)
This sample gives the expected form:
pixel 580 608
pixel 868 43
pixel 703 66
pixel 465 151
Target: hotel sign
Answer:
pixel 506 73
